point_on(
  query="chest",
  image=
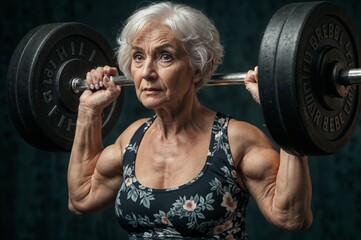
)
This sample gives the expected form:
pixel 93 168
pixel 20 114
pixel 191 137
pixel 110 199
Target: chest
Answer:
pixel 162 165
pixel 211 204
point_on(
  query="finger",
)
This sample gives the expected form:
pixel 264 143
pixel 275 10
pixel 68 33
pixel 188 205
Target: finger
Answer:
pixel 84 95
pixel 89 80
pixel 253 90
pixel 252 86
pixel 250 77
pixel 107 82
pixel 110 71
pixel 95 76
pixel 112 90
pixel 98 75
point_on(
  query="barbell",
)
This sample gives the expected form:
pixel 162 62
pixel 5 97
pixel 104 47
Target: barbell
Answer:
pixel 309 75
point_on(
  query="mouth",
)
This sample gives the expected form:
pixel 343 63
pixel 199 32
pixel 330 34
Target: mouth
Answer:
pixel 150 90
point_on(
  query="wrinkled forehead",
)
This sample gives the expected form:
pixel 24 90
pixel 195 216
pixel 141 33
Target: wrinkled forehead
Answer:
pixel 156 33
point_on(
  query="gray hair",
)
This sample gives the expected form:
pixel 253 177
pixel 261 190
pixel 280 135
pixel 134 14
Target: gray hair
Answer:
pixel 191 27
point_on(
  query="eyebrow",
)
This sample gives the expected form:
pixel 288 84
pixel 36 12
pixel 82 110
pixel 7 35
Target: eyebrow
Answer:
pixel 157 48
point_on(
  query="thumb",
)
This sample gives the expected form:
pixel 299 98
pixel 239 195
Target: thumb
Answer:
pixel 112 89
pixel 252 88
pixel 85 94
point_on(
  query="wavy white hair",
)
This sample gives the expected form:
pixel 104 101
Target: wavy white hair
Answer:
pixel 199 36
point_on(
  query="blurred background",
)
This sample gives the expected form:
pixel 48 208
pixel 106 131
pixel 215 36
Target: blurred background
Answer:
pixel 33 202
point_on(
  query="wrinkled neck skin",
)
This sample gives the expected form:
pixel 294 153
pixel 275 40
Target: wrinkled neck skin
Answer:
pixel 188 117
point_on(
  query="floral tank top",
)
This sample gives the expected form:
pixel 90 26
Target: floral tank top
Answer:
pixel 212 205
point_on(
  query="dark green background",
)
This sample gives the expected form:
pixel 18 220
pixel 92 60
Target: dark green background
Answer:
pixel 33 203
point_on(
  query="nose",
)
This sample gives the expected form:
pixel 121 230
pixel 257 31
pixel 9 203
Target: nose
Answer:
pixel 149 70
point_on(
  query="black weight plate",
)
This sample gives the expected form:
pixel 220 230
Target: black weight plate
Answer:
pixel 52 57
pixel 312 127
pixel 267 82
pixel 14 92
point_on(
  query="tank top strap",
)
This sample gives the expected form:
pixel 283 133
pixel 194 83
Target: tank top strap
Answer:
pixel 220 143
pixel 131 149
pixel 212 205
pixel 219 139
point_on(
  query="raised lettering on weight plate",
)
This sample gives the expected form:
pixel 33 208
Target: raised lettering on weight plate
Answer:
pixel 311 106
pixel 61 121
pixel 60 54
pixel 348 103
pixel 332 124
pixel 326 31
pixel 48 97
pixel 92 56
pixel 70 123
pixel 54 111
pixel 81 49
pixel 324 120
pixel 49 76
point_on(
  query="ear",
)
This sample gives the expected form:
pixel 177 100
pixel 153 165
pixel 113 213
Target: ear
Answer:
pixel 197 76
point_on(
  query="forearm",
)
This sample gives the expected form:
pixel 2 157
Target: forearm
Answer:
pixel 293 191
pixel 86 147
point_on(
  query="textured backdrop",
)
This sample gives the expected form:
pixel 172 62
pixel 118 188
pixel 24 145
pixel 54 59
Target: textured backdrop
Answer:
pixel 33 203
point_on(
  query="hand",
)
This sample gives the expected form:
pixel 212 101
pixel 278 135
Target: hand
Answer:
pixel 251 83
pixel 102 91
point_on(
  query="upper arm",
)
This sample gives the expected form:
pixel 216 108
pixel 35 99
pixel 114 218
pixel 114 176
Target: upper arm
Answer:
pixel 260 169
pixel 105 181
pixel 256 162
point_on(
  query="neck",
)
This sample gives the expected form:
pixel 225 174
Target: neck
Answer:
pixel 189 118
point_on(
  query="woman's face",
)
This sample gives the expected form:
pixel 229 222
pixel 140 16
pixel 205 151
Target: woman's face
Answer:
pixel 160 68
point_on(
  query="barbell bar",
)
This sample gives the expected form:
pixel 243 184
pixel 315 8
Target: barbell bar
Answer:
pixel 219 79
pixel 309 74
pixel 346 78
pixel 349 77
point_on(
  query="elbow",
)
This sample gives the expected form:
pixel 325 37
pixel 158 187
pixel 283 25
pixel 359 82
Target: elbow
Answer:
pixel 72 209
pixel 76 208
pixel 296 223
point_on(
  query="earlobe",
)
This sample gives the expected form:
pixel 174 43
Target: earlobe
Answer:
pixel 197 76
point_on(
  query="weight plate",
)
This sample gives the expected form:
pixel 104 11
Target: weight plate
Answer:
pixel 315 113
pixel 45 103
pixel 267 82
pixel 14 92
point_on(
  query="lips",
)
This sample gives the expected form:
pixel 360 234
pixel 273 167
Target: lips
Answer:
pixel 151 90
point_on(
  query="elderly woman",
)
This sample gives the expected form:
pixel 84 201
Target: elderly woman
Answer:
pixel 188 171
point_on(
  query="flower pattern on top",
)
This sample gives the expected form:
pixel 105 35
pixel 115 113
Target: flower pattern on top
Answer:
pixel 142 194
pixel 212 205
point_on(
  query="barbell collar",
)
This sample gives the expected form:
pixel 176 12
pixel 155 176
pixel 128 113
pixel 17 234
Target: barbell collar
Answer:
pixel 79 85
pixel 350 77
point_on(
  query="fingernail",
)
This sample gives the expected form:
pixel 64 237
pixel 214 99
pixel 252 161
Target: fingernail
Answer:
pixel 91 86
pixel 101 84
pixel 97 86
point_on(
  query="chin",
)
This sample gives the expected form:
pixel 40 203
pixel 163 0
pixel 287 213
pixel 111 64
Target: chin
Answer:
pixel 151 104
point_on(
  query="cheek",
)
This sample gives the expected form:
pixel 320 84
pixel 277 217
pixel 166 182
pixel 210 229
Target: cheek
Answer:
pixel 182 77
pixel 136 79
pixel 135 74
pixel 132 71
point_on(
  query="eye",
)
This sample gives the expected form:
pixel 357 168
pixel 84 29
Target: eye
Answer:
pixel 166 57
pixel 138 57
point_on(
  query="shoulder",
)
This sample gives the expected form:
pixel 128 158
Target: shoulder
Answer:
pixel 252 151
pixel 245 136
pixel 127 134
